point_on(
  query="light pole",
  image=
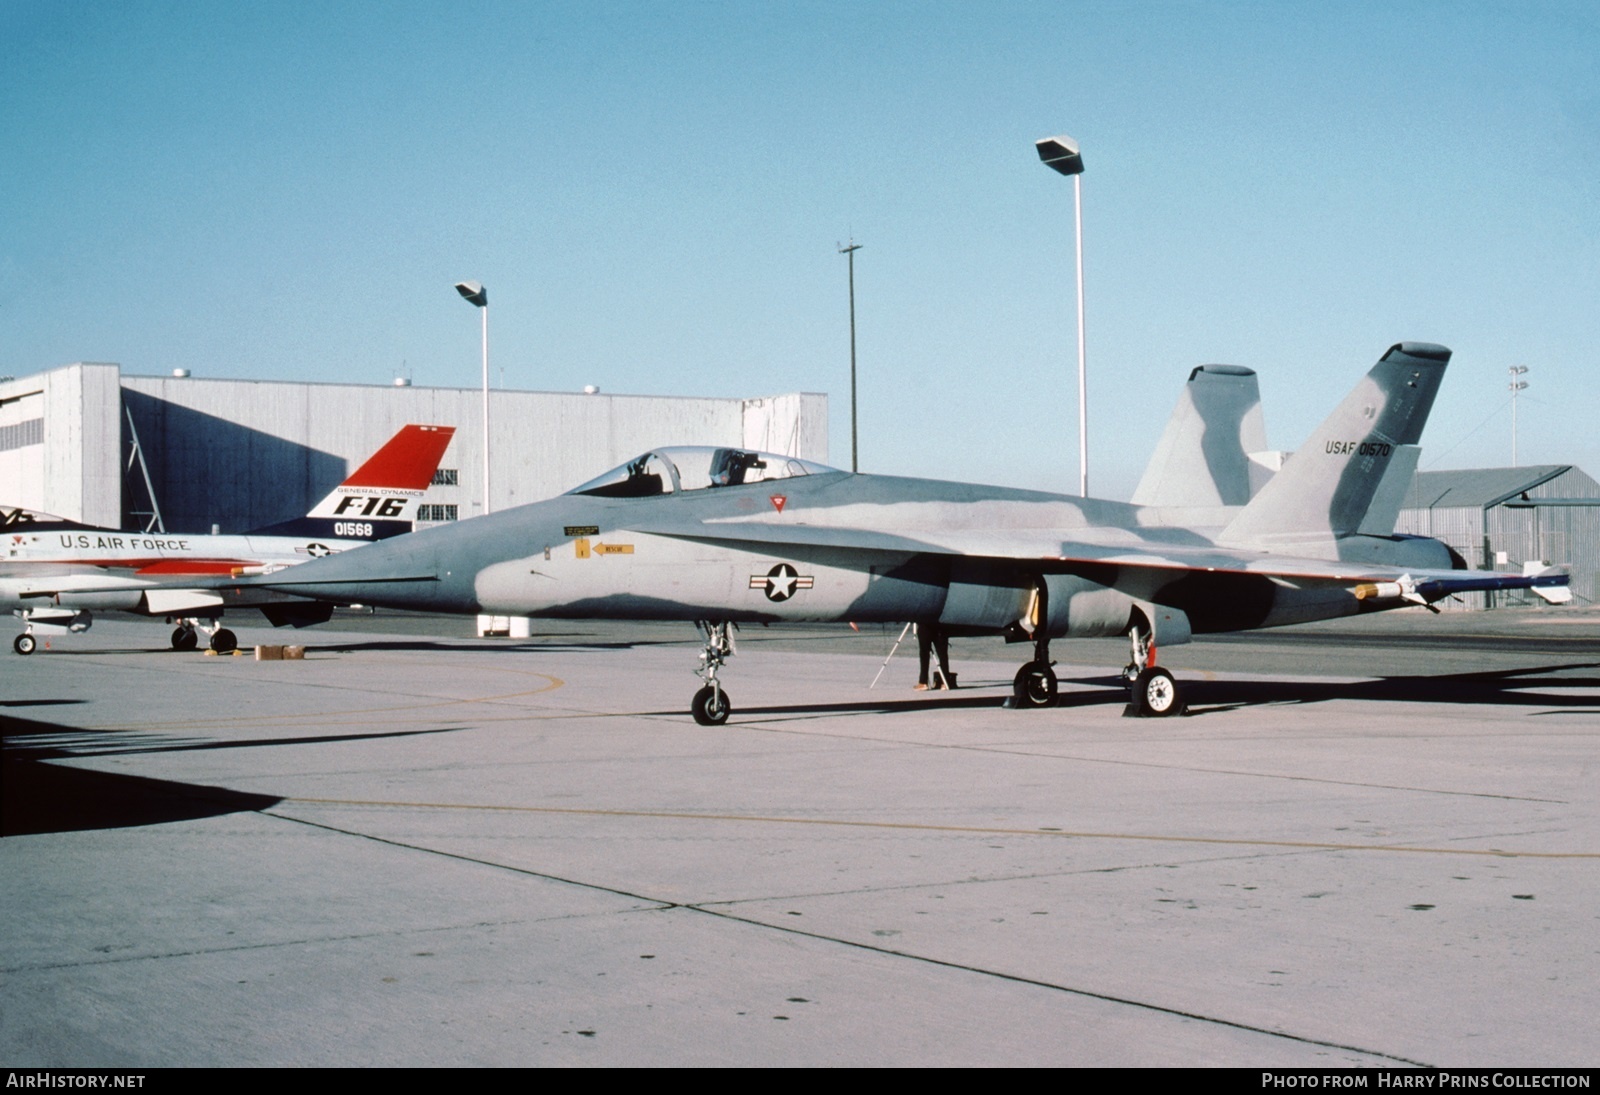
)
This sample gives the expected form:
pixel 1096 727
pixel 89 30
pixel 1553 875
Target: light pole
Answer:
pixel 1517 385
pixel 1061 154
pixel 475 294
pixel 850 253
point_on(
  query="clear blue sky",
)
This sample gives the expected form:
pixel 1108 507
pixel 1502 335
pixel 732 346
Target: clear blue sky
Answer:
pixel 654 194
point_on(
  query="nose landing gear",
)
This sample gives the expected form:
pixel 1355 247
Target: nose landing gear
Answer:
pixel 710 706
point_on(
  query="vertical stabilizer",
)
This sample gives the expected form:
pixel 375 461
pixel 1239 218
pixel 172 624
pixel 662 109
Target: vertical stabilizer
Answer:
pixel 1326 489
pixel 1203 458
pixel 380 498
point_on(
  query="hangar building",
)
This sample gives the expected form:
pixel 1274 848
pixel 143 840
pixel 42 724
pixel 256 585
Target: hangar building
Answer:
pixel 87 443
pixel 1499 518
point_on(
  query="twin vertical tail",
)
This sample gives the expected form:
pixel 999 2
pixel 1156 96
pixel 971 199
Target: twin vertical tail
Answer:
pixel 381 497
pixel 1204 456
pixel 1348 478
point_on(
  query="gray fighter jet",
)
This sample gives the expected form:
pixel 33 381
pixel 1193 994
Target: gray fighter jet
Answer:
pixel 1214 540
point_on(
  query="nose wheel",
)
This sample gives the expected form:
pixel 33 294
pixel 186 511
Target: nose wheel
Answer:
pixel 710 706
pixel 24 644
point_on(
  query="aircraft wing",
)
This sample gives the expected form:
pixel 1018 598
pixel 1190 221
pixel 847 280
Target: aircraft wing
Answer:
pixel 1115 557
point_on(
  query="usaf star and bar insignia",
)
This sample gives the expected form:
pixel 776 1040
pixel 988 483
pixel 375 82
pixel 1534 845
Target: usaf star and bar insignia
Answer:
pixel 781 582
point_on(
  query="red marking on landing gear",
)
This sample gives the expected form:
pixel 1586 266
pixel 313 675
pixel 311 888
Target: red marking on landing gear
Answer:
pixel 777 501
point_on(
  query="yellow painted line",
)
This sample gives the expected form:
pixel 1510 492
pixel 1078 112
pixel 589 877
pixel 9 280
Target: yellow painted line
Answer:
pixel 965 829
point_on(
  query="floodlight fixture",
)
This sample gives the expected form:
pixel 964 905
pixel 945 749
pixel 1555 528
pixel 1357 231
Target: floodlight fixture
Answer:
pixel 1060 154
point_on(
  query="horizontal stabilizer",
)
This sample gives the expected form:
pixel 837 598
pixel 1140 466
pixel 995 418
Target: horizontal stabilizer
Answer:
pixel 1387 501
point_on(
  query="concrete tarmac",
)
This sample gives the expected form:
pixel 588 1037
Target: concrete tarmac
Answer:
pixel 1368 844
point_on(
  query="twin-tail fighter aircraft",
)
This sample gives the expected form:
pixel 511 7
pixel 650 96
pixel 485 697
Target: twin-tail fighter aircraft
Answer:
pixel 722 535
pixel 54 573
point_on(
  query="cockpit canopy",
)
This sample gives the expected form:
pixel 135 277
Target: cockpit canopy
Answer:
pixel 32 520
pixel 695 467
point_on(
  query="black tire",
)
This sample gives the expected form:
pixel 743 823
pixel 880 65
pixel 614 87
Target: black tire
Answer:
pixel 710 706
pixel 184 638
pixel 1156 695
pixel 1035 685
pixel 224 641
pixel 24 644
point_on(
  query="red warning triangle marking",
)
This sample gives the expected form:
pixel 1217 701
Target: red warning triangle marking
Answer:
pixel 777 501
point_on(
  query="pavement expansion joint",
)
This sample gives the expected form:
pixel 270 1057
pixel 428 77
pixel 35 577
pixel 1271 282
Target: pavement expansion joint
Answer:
pixel 1091 994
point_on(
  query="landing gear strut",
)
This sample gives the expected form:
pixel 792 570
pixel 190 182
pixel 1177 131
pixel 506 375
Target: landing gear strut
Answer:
pixel 710 706
pixel 1152 691
pixel 1035 684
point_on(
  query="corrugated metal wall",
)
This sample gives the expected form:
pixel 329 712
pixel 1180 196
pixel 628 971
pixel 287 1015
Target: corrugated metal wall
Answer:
pixel 61 451
pixel 242 454
pixel 1565 536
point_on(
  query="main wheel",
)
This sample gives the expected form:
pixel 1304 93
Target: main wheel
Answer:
pixel 224 641
pixel 24 644
pixel 1156 694
pixel 1035 685
pixel 710 706
pixel 184 638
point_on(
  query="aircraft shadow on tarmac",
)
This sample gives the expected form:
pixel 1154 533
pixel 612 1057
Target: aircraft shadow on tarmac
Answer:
pixel 1503 688
pixel 477 647
pixel 1506 688
pixel 501 647
pixel 39 797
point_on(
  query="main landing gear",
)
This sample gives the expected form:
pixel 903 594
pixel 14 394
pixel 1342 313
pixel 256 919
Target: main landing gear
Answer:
pixel 1035 684
pixel 25 644
pixel 1152 691
pixel 710 706
pixel 221 640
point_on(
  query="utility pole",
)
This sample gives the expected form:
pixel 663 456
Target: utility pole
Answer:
pixel 1517 385
pixel 850 253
